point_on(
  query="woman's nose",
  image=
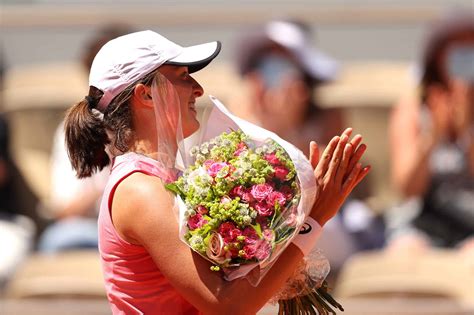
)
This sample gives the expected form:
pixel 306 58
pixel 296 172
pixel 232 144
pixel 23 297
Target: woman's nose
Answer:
pixel 197 89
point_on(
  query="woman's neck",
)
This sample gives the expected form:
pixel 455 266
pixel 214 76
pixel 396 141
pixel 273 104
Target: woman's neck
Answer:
pixel 161 151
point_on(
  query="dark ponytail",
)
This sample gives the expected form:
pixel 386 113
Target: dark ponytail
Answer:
pixel 86 136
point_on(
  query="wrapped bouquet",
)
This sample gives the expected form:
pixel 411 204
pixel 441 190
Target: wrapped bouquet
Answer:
pixel 243 195
pixel 241 199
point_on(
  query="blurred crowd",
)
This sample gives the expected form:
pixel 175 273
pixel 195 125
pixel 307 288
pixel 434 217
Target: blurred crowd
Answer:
pixel 431 143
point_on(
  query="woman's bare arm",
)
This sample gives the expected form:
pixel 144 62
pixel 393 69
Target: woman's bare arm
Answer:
pixel 409 150
pixel 142 214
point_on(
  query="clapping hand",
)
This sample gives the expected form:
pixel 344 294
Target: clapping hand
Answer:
pixel 337 172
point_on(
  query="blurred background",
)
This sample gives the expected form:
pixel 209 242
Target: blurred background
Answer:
pixel 358 63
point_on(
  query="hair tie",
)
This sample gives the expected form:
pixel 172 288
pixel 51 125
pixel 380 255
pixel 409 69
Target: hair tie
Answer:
pixel 91 102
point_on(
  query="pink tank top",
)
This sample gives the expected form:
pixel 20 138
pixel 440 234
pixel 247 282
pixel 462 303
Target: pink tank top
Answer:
pixel 133 282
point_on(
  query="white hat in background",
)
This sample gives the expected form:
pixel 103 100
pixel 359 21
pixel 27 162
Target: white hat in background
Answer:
pixel 293 37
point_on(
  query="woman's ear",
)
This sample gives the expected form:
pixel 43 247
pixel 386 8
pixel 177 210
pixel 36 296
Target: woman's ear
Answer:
pixel 142 94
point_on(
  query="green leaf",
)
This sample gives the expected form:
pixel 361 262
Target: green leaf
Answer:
pixel 258 229
pixel 174 188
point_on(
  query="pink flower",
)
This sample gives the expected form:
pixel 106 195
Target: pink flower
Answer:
pixel 237 191
pixel 215 167
pixel 276 196
pixel 247 197
pixel 272 159
pixel 196 221
pixel 249 251
pixel 242 192
pixel 280 172
pixel 287 191
pixel 201 209
pixel 208 163
pixel 250 234
pixel 229 232
pixel 263 250
pixel 241 147
pixel 261 191
pixel 259 250
pixel 264 209
pixel 215 248
pixel 263 221
pixel 268 235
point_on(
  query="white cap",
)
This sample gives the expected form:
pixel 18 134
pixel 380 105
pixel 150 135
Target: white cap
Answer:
pixel 128 58
pixel 293 37
pixel 318 65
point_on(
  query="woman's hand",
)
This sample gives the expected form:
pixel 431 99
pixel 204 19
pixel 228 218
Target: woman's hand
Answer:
pixel 337 172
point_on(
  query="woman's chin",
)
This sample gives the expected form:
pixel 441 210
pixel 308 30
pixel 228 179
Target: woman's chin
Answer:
pixel 191 129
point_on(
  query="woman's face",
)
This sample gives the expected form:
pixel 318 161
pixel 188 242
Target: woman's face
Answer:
pixel 455 58
pixel 188 90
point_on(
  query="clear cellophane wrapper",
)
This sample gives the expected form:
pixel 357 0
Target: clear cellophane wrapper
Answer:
pixel 257 197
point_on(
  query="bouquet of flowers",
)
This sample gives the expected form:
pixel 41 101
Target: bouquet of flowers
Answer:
pixel 242 196
pixel 241 199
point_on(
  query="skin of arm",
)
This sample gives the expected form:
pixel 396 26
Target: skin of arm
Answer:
pixel 409 150
pixel 153 225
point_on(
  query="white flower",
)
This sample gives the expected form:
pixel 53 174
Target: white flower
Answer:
pixel 244 210
pixel 247 220
pixel 200 158
pixel 202 191
pixel 198 178
pixel 205 148
pixel 195 241
pixel 194 150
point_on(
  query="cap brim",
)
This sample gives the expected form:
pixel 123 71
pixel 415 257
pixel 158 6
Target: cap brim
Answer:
pixel 196 57
pixel 317 64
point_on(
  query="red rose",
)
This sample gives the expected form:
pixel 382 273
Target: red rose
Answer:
pixel 261 191
pixel 287 191
pixel 201 209
pixel 250 234
pixel 229 232
pixel 272 159
pixel 263 250
pixel 196 221
pixel 249 251
pixel 237 191
pixel 280 172
pixel 278 197
pixel 264 209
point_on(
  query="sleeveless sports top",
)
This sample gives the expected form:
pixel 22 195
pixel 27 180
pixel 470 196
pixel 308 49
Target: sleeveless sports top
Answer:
pixel 133 282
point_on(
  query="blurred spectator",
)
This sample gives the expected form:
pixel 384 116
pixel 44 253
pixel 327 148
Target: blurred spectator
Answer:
pixel 280 71
pixel 75 202
pixel 17 206
pixel 432 142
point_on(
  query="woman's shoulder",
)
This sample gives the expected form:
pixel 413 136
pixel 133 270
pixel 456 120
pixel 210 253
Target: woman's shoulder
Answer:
pixel 140 188
pixel 138 198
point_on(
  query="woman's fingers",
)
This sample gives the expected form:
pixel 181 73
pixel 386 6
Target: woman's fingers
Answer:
pixel 355 176
pixel 357 155
pixel 326 157
pixel 362 174
pixel 347 132
pixel 337 156
pixel 313 154
pixel 356 141
pixel 342 169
